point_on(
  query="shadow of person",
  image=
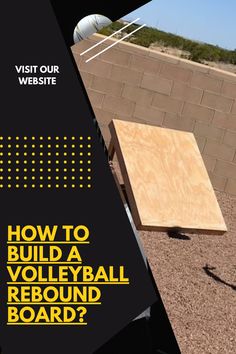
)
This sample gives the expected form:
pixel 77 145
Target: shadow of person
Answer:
pixel 208 270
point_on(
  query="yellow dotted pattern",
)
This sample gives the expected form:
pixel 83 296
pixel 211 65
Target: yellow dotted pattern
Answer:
pixel 45 162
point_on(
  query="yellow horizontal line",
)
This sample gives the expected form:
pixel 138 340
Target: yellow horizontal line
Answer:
pixel 48 242
pixel 54 303
pixel 47 324
pixel 44 262
pixel 66 283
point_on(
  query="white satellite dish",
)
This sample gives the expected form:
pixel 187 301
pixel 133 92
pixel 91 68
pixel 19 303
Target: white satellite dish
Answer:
pixel 89 25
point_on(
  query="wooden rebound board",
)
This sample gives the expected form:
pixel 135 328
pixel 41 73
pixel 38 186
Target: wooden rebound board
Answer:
pixel 165 178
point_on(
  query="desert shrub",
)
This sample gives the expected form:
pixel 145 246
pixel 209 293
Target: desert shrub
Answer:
pixel 198 51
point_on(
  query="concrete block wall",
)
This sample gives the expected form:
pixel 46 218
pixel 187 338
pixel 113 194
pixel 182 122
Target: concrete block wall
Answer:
pixel 137 84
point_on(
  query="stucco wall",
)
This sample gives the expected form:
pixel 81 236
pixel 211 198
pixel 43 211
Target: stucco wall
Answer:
pixel 137 84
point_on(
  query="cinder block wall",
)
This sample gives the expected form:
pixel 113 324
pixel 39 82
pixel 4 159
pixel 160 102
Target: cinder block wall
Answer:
pixel 137 84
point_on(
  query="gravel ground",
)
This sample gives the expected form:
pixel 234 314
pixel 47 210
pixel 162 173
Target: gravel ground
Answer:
pixel 196 277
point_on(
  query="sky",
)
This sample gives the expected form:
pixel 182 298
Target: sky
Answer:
pixel 210 21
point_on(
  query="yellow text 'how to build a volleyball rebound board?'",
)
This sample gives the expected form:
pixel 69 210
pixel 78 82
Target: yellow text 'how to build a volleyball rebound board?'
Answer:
pixel 48 283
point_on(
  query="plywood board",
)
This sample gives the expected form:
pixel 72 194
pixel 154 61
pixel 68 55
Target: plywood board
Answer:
pixel 165 179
